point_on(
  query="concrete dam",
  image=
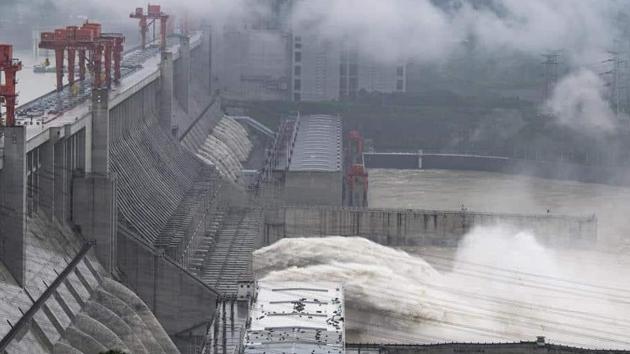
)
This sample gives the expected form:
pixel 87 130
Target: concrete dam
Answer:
pixel 123 188
pixel 126 222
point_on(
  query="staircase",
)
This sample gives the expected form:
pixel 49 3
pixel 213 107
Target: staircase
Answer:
pixel 196 254
pixel 228 328
pixel 230 259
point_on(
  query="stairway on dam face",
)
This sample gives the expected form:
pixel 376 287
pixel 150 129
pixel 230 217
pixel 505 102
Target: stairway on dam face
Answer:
pixel 154 173
pixel 228 328
pixel 187 226
pixel 230 259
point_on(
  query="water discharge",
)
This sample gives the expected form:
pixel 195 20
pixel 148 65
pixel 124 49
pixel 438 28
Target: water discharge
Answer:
pixel 499 285
pixel 226 148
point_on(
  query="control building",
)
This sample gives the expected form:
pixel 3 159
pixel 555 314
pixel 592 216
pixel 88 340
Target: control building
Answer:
pixel 266 60
pixel 250 63
pixel 335 70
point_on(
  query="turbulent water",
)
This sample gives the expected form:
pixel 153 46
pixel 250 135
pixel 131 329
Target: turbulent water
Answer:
pixel 503 286
pixel 499 284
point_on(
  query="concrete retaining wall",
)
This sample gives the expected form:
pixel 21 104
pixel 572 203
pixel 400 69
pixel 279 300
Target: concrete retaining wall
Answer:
pixel 614 175
pixel 176 297
pixel 459 348
pixel 314 187
pixel 419 227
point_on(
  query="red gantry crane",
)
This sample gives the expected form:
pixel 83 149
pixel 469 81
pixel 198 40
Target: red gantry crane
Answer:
pixel 154 13
pixel 92 46
pixel 9 66
pixel 356 174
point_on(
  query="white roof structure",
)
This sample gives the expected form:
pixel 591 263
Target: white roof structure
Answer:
pixel 318 144
pixel 295 317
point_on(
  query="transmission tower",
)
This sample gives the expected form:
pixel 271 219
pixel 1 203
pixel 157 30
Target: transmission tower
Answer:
pixel 617 81
pixel 551 73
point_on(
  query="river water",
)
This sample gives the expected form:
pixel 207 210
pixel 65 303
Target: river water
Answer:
pixel 495 192
pixel 32 85
pixel 498 285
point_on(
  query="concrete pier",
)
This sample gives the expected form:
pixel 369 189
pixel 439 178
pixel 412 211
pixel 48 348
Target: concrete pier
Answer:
pixel 13 202
pixel 166 91
pixel 100 131
pixel 94 211
pixel 183 73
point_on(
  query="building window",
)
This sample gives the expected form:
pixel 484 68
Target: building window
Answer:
pixel 399 85
pixel 400 71
pixel 298 38
pixel 297 70
pixel 298 57
pixel 297 84
pixel 297 97
pixel 298 45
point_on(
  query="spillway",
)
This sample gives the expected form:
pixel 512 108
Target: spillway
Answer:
pixel 227 147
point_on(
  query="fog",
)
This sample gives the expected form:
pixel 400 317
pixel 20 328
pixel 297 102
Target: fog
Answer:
pixel 408 30
pixel 421 30
pixel 500 285
pixel 578 102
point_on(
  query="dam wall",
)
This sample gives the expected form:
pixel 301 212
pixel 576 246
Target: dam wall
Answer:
pixel 112 169
pixel 392 227
pixel 605 174
pixel 176 297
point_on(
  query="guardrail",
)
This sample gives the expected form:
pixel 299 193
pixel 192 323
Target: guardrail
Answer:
pixel 254 124
pixel 25 320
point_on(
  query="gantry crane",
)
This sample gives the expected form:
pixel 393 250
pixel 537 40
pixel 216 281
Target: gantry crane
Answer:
pixel 9 66
pixel 154 13
pixel 91 46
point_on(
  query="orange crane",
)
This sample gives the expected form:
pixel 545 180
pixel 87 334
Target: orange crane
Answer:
pixel 9 66
pixel 154 13
pixel 91 45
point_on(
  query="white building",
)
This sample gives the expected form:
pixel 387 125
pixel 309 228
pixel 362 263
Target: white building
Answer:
pixel 254 63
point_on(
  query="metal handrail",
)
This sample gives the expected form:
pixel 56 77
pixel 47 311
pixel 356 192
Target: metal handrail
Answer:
pixel 24 321
pixel 214 100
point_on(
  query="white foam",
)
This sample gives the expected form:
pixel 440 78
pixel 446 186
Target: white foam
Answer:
pixel 503 286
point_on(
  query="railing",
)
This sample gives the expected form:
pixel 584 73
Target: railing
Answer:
pixel 214 100
pixel 254 124
pixel 24 322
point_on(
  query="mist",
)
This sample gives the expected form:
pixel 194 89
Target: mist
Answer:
pixel 578 102
pixel 420 30
pixel 407 30
pixel 500 285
